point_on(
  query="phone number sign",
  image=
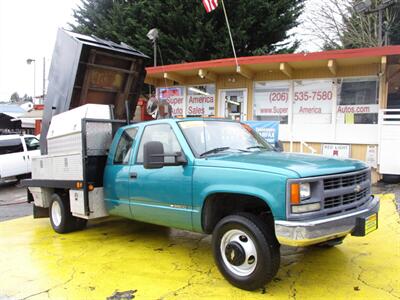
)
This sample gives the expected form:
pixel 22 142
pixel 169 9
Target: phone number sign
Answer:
pixel 313 96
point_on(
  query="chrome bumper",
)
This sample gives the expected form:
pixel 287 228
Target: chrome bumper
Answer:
pixel 305 233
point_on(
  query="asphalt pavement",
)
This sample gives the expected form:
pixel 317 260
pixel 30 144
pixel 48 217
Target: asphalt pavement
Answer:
pixel 13 201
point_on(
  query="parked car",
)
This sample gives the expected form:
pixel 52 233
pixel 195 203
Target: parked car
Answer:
pixel 16 152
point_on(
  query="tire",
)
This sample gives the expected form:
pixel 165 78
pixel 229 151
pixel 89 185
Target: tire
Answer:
pixel 61 218
pixel 245 252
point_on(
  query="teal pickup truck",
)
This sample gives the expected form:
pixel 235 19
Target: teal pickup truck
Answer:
pixel 210 176
pixel 219 177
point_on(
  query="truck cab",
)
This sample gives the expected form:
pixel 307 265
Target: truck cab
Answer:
pixel 219 176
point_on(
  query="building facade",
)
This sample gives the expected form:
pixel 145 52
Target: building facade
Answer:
pixel 333 103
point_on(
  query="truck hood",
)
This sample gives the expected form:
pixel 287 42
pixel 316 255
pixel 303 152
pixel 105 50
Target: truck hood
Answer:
pixel 289 164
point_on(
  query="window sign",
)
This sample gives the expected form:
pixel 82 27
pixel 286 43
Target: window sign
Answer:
pixel 358 101
pixel 200 100
pixel 271 101
pixel 175 97
pixel 312 102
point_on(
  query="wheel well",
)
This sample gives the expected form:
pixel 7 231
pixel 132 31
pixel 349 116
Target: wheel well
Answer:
pixel 220 205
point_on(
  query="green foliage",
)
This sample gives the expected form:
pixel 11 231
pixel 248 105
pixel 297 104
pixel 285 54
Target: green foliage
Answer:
pixel 187 32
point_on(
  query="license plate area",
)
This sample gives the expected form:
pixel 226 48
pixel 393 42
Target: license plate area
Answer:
pixel 365 225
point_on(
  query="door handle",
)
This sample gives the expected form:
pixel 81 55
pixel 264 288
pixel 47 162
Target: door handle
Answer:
pixel 133 175
pixel 23 157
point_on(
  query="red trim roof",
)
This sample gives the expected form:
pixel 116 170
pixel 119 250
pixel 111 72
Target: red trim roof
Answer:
pixel 278 58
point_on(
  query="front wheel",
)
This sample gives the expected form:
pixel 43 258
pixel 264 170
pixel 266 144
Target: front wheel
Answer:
pixel 245 252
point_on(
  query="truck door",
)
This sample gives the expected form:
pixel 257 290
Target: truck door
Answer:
pixel 116 183
pixel 161 196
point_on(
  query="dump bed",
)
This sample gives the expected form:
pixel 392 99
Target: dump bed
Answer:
pixel 86 69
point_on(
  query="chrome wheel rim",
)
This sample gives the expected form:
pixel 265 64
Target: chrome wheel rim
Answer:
pixel 241 241
pixel 56 213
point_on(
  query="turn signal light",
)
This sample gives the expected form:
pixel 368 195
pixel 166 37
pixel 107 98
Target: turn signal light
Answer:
pixel 295 193
pixel 90 187
pixel 79 185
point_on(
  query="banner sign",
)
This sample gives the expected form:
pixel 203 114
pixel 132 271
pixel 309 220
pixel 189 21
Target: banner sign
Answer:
pixel 269 130
pixel 313 97
pixel 339 151
pixel 200 105
pixel 271 99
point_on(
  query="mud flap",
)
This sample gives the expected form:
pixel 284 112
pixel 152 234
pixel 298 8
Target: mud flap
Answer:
pixel 40 212
pixel 365 225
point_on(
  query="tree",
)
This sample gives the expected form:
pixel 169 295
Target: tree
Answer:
pixel 187 32
pixel 336 24
pixel 14 97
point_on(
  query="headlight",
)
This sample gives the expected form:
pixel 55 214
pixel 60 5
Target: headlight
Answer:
pixel 305 191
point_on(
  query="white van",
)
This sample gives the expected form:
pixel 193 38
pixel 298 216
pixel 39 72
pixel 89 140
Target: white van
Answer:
pixel 16 153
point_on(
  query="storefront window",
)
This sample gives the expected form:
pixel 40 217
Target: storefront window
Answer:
pixel 312 102
pixel 271 101
pixel 200 100
pixel 358 101
pixel 174 96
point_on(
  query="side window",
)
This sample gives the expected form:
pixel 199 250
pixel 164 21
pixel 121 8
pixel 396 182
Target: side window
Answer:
pixel 159 133
pixel 124 147
pixel 32 143
pixel 11 146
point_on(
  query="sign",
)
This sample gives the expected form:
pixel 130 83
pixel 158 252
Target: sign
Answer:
pixel 200 105
pixel 339 151
pixel 271 99
pixel 313 97
pixel 176 103
pixel 358 109
pixel 175 97
pixel 269 130
pixel 371 157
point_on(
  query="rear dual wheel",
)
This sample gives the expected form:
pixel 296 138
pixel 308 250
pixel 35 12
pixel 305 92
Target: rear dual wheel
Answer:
pixel 61 218
pixel 245 251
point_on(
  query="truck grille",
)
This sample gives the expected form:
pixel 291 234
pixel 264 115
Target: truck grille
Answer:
pixel 346 192
pixel 345 199
pixel 338 182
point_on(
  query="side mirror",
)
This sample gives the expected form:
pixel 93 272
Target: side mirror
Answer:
pixel 153 155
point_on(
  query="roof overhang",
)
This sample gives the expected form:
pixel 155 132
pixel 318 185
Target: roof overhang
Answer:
pixel 284 63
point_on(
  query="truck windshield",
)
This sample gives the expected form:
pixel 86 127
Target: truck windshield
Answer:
pixel 211 137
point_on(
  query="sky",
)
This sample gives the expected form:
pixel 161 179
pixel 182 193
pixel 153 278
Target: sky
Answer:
pixel 28 30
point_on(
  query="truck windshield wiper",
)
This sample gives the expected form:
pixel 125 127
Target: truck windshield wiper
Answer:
pixel 215 150
pixel 256 147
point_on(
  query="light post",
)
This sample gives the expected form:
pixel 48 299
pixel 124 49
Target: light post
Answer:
pixel 153 36
pixel 44 78
pixel 29 61
pixel 365 7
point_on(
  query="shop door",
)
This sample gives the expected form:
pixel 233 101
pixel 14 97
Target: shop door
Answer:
pixel 233 104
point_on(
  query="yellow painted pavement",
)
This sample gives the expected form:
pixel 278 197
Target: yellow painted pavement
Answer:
pixel 161 263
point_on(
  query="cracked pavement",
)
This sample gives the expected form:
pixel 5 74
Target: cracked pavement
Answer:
pixel 160 263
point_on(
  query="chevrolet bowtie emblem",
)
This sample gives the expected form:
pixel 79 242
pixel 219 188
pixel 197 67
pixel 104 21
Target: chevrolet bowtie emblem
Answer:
pixel 357 188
